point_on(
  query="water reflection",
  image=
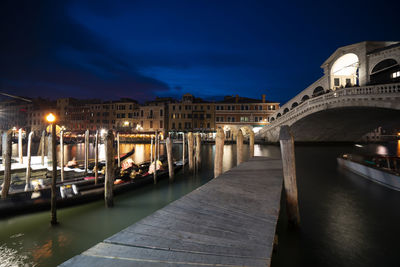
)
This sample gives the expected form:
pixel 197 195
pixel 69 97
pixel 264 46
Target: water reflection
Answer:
pixel 398 148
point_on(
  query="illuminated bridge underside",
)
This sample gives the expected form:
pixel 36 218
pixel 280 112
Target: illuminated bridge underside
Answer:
pixel 344 115
pixel 343 124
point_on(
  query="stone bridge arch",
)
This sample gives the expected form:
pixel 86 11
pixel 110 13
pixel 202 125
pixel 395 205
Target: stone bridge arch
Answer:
pixel 344 115
pixel 382 72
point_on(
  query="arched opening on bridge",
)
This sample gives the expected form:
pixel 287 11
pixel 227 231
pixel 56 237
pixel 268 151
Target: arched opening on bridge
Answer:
pixel 286 110
pixel 318 91
pixel 344 72
pixel 279 114
pixel 272 119
pixel 304 98
pixel 295 104
pixel 386 71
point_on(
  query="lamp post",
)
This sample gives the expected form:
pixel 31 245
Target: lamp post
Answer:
pixel 50 118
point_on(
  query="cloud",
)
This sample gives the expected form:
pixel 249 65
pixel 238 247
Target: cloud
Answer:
pixel 44 52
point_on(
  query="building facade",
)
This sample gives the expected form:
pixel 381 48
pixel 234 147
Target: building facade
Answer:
pixel 192 114
pixel 235 112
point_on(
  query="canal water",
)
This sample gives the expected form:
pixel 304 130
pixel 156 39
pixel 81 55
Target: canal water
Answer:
pixel 346 220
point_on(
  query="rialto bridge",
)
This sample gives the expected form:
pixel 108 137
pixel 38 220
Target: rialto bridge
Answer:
pixel 360 91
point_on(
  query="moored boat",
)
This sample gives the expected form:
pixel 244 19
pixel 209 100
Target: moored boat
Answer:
pixel 75 192
pixel 382 170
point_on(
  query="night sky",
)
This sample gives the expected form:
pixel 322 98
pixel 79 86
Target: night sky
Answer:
pixel 143 49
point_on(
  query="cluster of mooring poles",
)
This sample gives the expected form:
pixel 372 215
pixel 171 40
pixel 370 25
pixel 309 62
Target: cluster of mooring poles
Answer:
pixel 219 149
pixel 193 151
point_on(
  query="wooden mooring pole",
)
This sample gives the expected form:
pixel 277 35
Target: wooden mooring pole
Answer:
pixel 168 144
pixel 118 152
pixel 151 150
pixel 251 143
pixel 155 157
pixel 190 151
pixel 219 152
pixel 289 175
pixel 49 150
pixel 239 147
pixel 109 175
pixel 54 175
pixel 42 146
pixel 183 151
pixel 28 163
pixel 86 150
pixel 198 149
pixel 62 154
pixel 20 155
pixel 7 145
pixel 96 158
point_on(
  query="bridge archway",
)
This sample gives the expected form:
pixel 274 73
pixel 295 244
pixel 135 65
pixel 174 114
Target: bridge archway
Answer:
pixel 318 91
pixel 286 110
pixel 278 115
pixel 385 72
pixel 272 119
pixel 295 104
pixel 344 71
pixel 304 98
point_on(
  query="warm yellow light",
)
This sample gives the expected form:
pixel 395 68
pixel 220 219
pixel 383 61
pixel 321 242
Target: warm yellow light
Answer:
pixel 126 123
pixel 51 118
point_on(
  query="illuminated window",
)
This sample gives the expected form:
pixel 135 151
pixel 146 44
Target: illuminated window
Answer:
pixel 396 74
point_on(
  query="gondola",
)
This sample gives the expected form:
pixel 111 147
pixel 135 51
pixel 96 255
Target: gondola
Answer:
pixel 73 192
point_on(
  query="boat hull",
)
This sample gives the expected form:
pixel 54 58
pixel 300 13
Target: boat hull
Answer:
pixel 378 176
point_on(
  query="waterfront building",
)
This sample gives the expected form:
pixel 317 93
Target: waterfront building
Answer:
pixel 13 114
pixel 126 112
pixel 192 114
pixel 37 112
pixel 235 112
pixel 153 116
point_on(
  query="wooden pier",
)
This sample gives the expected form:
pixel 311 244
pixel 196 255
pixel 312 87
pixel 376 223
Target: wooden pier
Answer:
pixel 230 221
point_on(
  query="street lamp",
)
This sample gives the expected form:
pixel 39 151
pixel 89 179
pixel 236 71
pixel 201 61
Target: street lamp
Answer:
pixel 50 118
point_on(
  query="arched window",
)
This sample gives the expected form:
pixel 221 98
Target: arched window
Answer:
pixel 286 110
pixel 295 104
pixel 344 71
pixel 304 98
pixel 279 114
pixel 272 119
pixel 383 72
pixel 318 91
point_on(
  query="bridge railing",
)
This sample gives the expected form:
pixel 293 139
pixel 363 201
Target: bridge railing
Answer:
pixel 381 89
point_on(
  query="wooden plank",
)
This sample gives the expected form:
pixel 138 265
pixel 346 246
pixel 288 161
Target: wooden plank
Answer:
pixel 229 221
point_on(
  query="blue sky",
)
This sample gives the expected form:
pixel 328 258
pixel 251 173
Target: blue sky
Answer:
pixel 143 49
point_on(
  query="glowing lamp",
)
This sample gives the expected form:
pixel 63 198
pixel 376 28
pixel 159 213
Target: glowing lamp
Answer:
pixel 50 118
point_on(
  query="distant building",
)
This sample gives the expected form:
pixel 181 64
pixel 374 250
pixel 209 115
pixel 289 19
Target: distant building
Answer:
pixel 153 116
pixel 37 112
pixel 192 114
pixel 13 114
pixel 165 115
pixel 126 112
pixel 235 112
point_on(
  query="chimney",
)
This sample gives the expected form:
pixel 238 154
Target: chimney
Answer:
pixel 263 98
pixel 237 99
